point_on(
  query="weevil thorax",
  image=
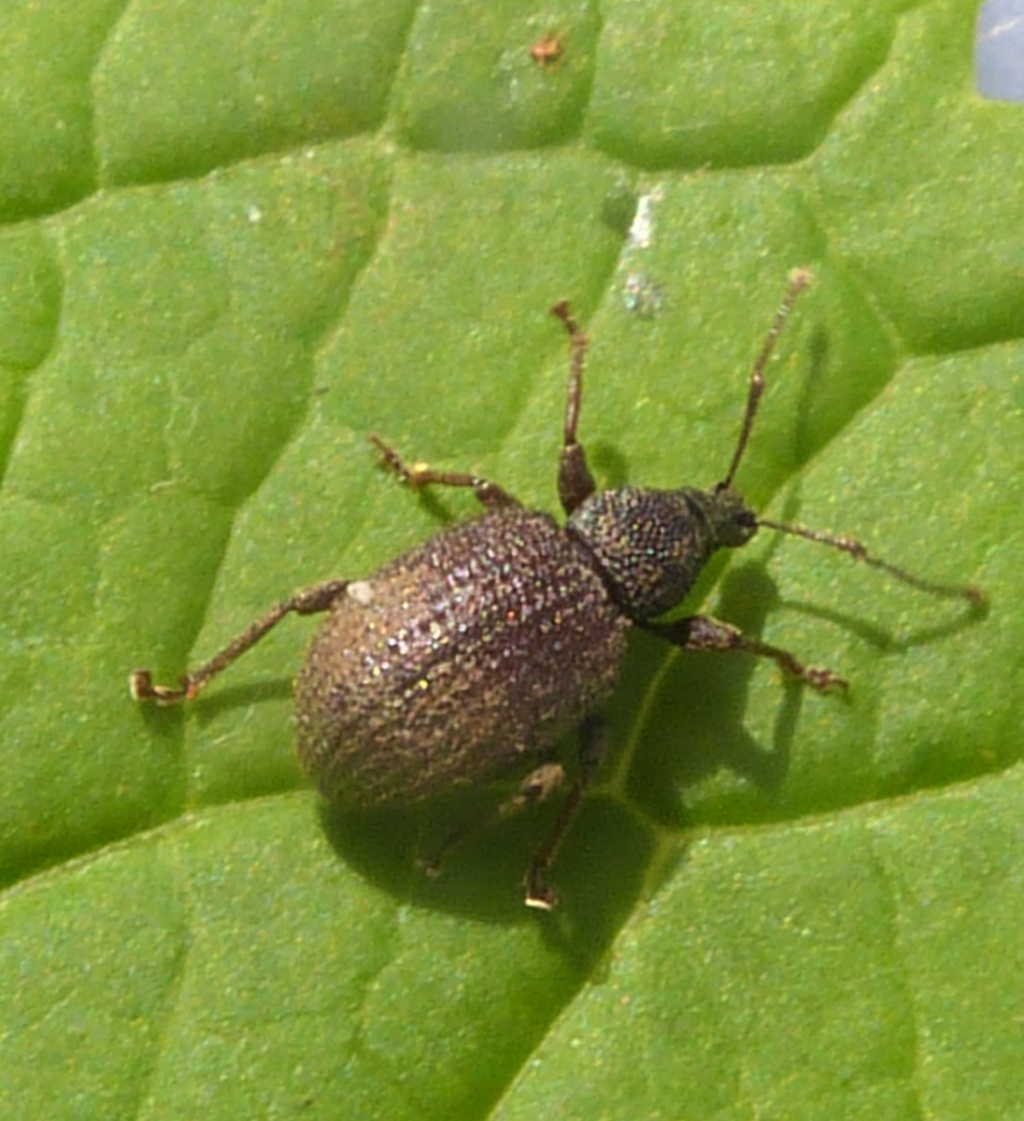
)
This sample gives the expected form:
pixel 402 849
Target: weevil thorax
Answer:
pixel 651 545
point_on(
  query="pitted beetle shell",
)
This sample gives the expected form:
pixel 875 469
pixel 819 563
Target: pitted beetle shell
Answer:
pixel 468 655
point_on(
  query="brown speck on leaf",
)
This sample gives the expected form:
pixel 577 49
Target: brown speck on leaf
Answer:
pixel 547 50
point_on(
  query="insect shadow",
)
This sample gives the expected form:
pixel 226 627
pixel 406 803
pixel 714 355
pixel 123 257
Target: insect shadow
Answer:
pixel 705 696
pixel 607 855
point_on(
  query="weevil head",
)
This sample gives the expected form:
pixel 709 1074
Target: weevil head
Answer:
pixel 651 545
pixel 732 521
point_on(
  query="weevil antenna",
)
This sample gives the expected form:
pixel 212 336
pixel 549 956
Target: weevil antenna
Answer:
pixel 860 552
pixel 798 281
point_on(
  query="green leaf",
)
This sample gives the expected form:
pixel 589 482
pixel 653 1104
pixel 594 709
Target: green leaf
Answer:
pixel 239 238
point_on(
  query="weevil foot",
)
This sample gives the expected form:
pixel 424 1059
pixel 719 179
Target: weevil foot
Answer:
pixel 141 687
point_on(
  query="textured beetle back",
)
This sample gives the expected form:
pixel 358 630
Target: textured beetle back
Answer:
pixel 651 545
pixel 479 648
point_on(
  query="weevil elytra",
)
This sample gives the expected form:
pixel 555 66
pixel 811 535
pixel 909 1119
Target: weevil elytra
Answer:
pixel 470 656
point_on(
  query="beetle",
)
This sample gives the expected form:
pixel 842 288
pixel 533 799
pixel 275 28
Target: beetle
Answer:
pixel 472 655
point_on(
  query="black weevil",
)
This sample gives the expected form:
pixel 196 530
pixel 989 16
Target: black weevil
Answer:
pixel 473 654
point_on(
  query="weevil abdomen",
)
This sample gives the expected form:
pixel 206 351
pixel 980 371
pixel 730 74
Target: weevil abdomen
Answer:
pixel 471 653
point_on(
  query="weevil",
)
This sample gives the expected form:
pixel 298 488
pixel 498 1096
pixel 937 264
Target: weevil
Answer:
pixel 469 657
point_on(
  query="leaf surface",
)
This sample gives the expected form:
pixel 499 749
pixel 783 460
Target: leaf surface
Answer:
pixel 240 237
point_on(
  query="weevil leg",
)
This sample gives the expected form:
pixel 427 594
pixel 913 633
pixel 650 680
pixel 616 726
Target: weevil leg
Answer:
pixel 575 482
pixel 701 632
pixel 308 601
pixel 418 475
pixel 538 785
pixel 592 740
